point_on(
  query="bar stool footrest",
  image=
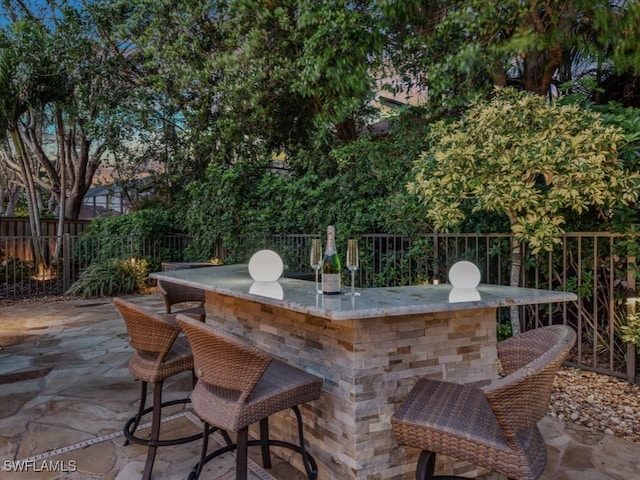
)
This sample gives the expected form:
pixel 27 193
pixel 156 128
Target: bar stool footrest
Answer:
pixel 131 437
pixel 426 466
pixel 311 468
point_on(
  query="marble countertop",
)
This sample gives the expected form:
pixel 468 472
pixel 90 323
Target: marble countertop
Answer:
pixel 300 296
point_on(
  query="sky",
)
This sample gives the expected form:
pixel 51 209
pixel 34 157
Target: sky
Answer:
pixel 38 7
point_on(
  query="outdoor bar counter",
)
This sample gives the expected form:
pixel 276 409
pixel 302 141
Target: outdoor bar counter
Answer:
pixel 370 349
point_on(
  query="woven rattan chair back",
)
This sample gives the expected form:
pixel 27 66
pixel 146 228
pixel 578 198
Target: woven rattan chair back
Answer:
pixel 521 399
pixel 147 331
pixel 173 294
pixel 223 362
pixel 494 427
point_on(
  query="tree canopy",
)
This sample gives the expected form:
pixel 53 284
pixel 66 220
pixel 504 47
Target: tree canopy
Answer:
pixel 278 100
pixel 461 49
pixel 530 160
pixel 61 93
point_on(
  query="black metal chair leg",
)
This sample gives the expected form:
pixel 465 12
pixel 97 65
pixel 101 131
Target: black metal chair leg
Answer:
pixel 195 472
pixel 241 448
pixel 264 443
pixel 155 431
pixel 226 437
pixel 143 401
pixel 426 466
pixel 310 468
pixel 241 454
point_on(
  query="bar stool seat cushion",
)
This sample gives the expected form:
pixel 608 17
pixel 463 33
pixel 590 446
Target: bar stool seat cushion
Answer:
pixel 144 365
pixel 280 387
pixel 175 294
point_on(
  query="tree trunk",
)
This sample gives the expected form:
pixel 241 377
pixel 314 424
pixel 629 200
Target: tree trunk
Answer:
pixel 516 267
pixel 32 196
pixel 12 203
pixel 539 70
pixel 11 171
pixel 346 131
pixel 62 190
pixel 73 204
pixel 540 65
pixel 61 214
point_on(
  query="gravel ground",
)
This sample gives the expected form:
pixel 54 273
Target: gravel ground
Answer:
pixel 598 402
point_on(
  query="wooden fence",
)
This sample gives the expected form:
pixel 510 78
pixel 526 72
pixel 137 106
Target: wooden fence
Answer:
pixel 19 227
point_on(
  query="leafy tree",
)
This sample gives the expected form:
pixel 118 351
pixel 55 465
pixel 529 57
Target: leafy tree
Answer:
pixel 340 43
pixel 458 50
pixel 524 158
pixel 168 47
pixel 241 80
pixel 616 47
pixel 63 91
pixel 243 204
pixel 29 79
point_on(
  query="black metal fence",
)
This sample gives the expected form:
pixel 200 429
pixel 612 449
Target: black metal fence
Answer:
pixel 65 257
pixel 599 267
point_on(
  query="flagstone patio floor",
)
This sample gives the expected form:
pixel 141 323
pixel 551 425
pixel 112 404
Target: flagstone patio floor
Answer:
pixel 66 392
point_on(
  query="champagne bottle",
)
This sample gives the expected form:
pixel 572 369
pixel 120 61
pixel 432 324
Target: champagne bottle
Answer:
pixel 331 267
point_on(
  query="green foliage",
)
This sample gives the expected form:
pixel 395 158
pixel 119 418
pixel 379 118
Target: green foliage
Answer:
pixel 340 42
pixel 504 331
pixel 219 208
pixel 628 121
pixel 631 330
pixel 622 35
pixel 111 277
pixel 460 49
pixel 142 223
pixel 224 82
pixel 31 74
pixel 359 187
pixel 139 234
pixel 397 261
pixel 518 156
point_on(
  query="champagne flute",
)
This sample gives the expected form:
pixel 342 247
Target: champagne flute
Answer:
pixel 316 258
pixel 352 263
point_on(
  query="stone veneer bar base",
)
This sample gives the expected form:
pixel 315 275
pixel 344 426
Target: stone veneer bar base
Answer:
pixel 368 366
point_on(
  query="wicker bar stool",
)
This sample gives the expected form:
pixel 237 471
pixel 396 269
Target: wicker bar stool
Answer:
pixel 494 427
pixel 175 294
pixel 239 385
pixel 159 353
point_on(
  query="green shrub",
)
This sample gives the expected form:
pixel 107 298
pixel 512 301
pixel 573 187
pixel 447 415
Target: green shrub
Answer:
pixel 631 331
pixel 142 223
pixel 504 331
pixel 111 277
pixel 140 234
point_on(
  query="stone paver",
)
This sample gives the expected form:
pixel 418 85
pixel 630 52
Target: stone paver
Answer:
pixel 64 383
